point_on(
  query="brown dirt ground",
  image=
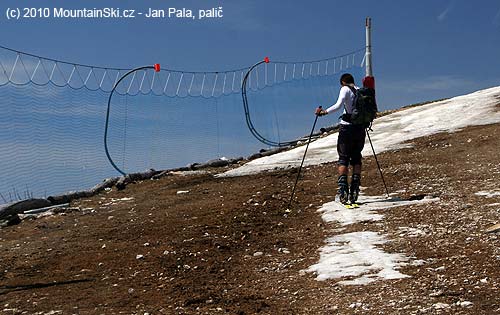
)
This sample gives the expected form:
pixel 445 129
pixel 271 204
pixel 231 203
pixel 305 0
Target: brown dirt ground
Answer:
pixel 198 247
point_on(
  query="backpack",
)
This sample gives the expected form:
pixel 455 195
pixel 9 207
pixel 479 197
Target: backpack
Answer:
pixel 364 107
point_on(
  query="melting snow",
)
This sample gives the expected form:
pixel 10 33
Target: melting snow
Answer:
pixel 488 194
pixel 122 199
pixel 334 211
pixel 392 130
pixel 356 254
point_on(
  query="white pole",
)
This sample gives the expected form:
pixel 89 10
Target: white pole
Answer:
pixel 368 61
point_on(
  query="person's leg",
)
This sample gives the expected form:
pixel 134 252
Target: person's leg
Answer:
pixel 343 170
pixel 343 164
pixel 359 143
pixel 355 183
pixel 343 188
pixel 356 169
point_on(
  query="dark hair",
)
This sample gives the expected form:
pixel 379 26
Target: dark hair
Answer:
pixel 347 78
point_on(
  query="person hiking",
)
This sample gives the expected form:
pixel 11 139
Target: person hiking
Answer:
pixel 351 140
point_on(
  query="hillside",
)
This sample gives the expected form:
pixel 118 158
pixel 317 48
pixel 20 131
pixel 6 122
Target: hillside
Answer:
pixel 195 243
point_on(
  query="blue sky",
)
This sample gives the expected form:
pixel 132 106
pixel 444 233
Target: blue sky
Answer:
pixel 422 50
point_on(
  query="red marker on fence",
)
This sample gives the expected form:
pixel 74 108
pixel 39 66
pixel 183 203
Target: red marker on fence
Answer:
pixel 157 67
pixel 266 60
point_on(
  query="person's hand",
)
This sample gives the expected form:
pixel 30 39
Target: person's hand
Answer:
pixel 320 111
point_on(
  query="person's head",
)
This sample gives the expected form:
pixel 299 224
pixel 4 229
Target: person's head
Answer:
pixel 346 79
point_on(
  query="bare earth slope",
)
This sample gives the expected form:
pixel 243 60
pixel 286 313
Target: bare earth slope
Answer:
pixel 203 245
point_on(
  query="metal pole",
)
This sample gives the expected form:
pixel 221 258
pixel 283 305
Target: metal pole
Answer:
pixel 106 126
pixel 368 53
pixel 378 165
pixel 302 163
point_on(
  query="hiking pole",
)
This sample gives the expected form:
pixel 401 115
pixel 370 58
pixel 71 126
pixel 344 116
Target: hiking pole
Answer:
pixel 378 165
pixel 302 163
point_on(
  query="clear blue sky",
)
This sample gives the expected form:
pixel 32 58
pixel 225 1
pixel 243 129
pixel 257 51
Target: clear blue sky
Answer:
pixel 422 50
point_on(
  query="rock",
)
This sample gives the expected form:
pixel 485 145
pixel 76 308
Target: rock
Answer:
pixel 493 228
pixel 356 305
pixel 440 306
pixel 14 208
pixel 254 156
pixel 214 163
pixel 465 304
pixel 12 220
pixel 67 198
pixel 283 250
pixel 193 166
pixel 436 294
pixel 258 254
pixel 130 178
pixel 105 185
pixel 139 257
pixel 162 174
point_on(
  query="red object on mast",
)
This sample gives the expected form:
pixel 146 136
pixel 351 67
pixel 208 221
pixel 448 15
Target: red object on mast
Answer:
pixel 369 82
pixel 266 60
pixel 157 67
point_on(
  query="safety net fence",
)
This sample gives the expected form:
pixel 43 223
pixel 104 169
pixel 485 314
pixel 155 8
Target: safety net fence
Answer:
pixel 53 116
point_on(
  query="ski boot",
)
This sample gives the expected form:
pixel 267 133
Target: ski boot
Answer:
pixel 343 189
pixel 354 191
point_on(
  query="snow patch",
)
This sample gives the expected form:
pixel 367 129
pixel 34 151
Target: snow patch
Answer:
pixel 391 131
pixel 356 255
pixel 336 212
pixel 122 199
pixel 488 194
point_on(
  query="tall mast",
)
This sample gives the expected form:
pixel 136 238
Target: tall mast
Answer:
pixel 368 53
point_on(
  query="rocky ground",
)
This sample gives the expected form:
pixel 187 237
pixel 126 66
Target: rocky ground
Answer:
pixel 195 244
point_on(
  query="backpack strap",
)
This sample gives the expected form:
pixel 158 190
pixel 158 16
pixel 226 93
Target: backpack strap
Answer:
pixel 353 90
pixel 347 116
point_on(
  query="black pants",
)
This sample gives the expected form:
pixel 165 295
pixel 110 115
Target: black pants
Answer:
pixel 350 144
